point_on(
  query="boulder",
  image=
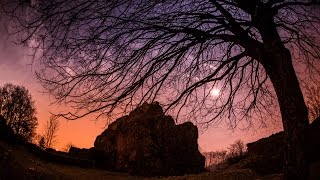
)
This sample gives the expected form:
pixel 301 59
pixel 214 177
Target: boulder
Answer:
pixel 147 142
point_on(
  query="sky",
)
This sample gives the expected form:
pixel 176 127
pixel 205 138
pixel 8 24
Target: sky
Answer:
pixel 15 68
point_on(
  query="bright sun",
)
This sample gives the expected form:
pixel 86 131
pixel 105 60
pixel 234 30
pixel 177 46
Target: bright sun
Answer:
pixel 215 92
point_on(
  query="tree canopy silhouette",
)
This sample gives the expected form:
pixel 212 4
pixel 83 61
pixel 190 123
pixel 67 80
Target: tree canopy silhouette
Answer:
pixel 99 55
pixel 17 107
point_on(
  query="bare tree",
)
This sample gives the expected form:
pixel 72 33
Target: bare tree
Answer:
pixel 313 101
pixel 100 55
pixel 215 157
pixel 51 128
pixel 17 107
pixel 236 152
pixel 237 149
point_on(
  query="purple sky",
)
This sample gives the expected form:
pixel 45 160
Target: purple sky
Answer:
pixel 14 69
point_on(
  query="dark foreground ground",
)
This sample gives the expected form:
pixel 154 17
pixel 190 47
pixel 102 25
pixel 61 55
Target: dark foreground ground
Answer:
pixel 17 163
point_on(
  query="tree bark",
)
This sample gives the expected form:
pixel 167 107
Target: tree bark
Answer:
pixel 293 111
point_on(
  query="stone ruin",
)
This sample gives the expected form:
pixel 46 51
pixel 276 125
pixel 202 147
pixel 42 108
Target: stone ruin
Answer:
pixel 147 142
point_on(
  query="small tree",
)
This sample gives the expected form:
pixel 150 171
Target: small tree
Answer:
pixel 17 107
pixel 51 130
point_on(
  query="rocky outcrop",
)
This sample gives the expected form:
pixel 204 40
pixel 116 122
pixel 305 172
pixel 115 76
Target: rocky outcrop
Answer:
pixel 266 156
pixel 147 142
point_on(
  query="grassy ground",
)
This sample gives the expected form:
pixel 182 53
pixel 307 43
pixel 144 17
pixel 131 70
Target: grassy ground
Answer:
pixel 18 163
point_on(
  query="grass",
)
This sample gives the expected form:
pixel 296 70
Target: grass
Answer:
pixel 17 163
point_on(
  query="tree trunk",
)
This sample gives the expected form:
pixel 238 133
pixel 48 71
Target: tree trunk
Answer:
pixel 293 111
